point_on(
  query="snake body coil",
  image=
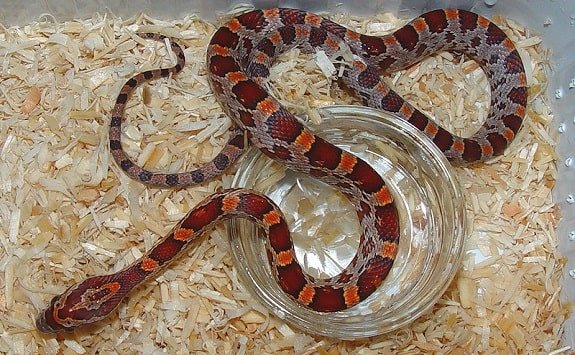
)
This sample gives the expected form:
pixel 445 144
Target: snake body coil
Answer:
pixel 239 57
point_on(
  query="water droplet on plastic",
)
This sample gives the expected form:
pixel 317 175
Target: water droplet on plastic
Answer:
pixel 561 128
pixel 572 236
pixel 572 273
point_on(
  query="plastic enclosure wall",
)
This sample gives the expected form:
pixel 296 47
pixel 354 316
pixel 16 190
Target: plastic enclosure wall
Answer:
pixel 553 19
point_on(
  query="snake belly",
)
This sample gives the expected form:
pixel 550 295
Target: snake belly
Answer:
pixel 239 57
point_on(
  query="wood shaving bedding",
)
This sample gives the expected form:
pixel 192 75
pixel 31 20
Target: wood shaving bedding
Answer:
pixel 68 212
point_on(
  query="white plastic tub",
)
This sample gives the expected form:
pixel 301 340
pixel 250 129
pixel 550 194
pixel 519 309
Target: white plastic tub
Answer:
pixel 553 19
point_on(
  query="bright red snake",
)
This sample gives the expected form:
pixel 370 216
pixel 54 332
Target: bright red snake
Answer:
pixel 238 59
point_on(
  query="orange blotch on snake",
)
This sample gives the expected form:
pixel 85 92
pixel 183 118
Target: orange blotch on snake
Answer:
pixel 285 257
pixel 236 77
pixel 483 22
pixel 268 106
pixel 382 89
pixel 522 82
pixel 313 19
pixel 351 296
pixel 383 196
pixel 272 218
pixel 331 43
pixel 406 110
pixel 508 44
pixel 508 134
pixel 486 150
pixel 521 110
pixel 149 264
pixel 261 58
pixel 451 14
pixel 388 250
pixel 302 32
pixel 221 51
pixel 276 38
pixel 230 203
pixel 234 25
pixel 305 140
pixel 183 234
pixel 354 36
pixel 347 163
pixel 306 295
pixel 361 66
pixel 458 146
pixel 271 13
pixel 390 41
pixel 431 129
pixel 111 287
pixel 420 25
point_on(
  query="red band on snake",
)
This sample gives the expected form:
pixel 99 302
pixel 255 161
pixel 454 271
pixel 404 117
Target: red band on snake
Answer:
pixel 239 57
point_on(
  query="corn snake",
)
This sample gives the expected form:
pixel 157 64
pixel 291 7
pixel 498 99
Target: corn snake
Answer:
pixel 238 59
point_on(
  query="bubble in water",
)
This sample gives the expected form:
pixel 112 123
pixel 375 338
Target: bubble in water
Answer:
pixel 569 161
pixel 558 93
pixel 561 128
pixel 570 198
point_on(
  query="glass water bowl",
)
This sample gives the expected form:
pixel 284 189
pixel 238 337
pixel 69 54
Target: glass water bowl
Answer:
pixel 325 227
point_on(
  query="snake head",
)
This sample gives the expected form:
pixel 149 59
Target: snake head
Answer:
pixel 83 303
